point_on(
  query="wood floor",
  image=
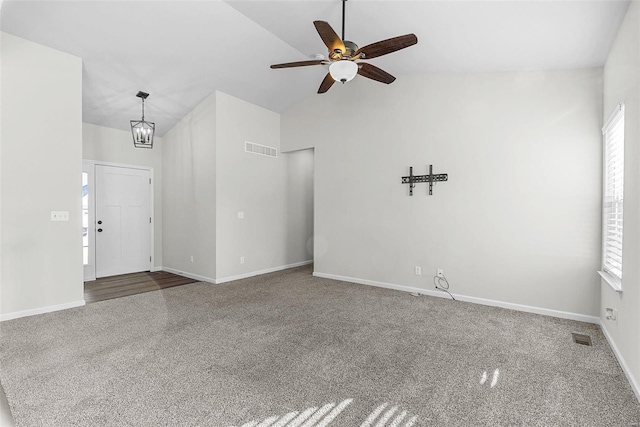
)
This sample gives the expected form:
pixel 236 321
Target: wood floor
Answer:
pixel 131 284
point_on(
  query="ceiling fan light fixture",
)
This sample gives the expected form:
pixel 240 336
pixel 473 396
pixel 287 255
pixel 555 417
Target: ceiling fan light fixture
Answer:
pixel 343 71
pixel 142 130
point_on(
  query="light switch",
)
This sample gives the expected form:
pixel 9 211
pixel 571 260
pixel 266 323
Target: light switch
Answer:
pixel 59 215
pixel 240 215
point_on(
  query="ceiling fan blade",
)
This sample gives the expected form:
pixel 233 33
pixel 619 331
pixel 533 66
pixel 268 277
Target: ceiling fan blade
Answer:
pixel 329 37
pixel 387 46
pixel 298 64
pixel 326 83
pixel 372 72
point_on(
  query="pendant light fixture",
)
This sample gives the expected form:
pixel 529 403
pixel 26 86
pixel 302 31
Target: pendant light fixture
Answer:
pixel 142 130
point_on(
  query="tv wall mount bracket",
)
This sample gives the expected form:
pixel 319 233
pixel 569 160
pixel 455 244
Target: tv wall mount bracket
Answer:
pixel 412 179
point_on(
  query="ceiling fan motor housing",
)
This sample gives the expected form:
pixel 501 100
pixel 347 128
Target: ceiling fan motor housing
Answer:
pixel 351 49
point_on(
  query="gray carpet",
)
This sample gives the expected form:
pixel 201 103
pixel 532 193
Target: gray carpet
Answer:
pixel 290 349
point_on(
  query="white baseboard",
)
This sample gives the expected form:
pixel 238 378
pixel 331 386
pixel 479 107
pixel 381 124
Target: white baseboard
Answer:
pixel 232 278
pixel 41 310
pixel 623 364
pixel 156 268
pixel 475 300
pixel 530 309
pixel 187 274
pixel 265 271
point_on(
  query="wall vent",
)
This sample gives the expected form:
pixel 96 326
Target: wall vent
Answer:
pixel 263 150
pixel 581 339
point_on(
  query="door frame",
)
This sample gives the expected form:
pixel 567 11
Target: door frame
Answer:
pixel 90 268
pixel 90 167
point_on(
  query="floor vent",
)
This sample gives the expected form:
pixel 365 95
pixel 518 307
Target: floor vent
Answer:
pixel 581 339
pixel 252 147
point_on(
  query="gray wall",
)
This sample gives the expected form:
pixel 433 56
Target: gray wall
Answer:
pixel 622 83
pixel 256 185
pixel 209 178
pixel 41 168
pixel 249 183
pixel 189 192
pixel 519 219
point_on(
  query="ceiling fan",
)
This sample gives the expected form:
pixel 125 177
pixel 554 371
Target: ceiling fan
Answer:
pixel 343 55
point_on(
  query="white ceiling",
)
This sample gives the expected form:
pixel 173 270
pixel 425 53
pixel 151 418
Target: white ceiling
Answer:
pixel 181 51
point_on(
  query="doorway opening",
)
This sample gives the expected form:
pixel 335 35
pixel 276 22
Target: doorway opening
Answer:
pixel 117 209
pixel 300 195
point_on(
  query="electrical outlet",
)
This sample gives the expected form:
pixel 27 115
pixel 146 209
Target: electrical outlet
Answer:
pixel 241 260
pixel 440 272
pixel 611 314
pixel 418 271
pixel 191 258
pixel 240 215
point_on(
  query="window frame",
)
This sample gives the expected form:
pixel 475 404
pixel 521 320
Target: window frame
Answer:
pixel 608 274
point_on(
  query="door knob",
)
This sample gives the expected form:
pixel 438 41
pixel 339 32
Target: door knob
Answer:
pixel 99 230
pixel 99 222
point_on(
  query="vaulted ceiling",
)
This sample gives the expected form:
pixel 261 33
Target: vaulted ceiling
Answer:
pixel 182 51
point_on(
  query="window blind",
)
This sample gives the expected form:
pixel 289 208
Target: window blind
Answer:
pixel 613 194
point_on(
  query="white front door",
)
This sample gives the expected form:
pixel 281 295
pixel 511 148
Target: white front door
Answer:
pixel 123 220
